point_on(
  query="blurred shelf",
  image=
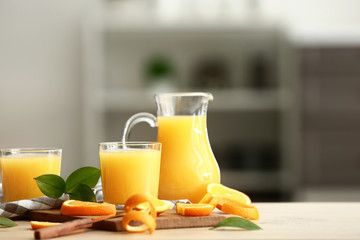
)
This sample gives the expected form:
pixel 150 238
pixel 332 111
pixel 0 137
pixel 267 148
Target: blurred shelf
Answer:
pixel 342 35
pixel 224 100
pixel 116 22
pixel 144 29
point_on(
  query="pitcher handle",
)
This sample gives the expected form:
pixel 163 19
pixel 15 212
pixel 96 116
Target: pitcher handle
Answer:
pixel 135 119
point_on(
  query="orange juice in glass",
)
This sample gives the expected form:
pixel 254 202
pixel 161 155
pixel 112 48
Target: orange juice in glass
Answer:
pixel 129 168
pixel 20 166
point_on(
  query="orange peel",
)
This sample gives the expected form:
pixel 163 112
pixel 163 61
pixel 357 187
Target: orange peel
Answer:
pixel 148 221
pixel 137 199
pixel 147 216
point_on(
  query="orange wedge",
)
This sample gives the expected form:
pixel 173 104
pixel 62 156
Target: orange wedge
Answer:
pixel 236 208
pixel 160 206
pixel 81 208
pixel 38 224
pixel 195 209
pixel 216 190
pixel 147 216
pixel 207 198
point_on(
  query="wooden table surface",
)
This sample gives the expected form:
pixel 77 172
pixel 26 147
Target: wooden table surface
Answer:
pixel 278 221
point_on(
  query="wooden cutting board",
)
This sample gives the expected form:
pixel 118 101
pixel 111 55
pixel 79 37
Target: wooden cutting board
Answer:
pixel 168 220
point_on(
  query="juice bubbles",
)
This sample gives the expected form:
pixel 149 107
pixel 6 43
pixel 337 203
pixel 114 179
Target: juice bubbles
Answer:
pixel 187 161
pixel 127 170
pixel 19 170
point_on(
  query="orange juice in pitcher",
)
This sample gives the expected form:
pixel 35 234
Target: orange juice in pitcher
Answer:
pixel 187 161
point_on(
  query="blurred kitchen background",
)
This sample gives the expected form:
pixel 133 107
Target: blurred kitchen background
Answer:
pixel 285 121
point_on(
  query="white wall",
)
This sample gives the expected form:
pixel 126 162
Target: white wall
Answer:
pixel 40 76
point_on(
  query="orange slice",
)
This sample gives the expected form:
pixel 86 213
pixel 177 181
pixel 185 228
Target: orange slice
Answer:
pixel 236 208
pixel 160 206
pixel 38 224
pixel 147 216
pixel 147 220
pixel 80 208
pixel 220 191
pixel 195 209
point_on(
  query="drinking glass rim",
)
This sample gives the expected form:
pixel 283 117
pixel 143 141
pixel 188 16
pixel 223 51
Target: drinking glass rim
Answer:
pixel 30 149
pixel 133 143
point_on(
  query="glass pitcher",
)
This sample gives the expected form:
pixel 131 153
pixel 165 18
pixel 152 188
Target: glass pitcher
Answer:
pixel 188 164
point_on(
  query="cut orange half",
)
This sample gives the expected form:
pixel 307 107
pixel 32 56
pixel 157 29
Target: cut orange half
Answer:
pixel 236 208
pixel 39 224
pixel 160 206
pixel 81 208
pixel 220 191
pixel 195 209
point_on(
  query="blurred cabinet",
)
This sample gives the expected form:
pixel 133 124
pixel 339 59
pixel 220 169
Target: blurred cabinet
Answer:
pixel 252 122
pixel 331 115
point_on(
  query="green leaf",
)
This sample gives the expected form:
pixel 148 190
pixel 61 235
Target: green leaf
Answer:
pixel 237 222
pixel 86 175
pixel 5 222
pixel 51 185
pixel 82 192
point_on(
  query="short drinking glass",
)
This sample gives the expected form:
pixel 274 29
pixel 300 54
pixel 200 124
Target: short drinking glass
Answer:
pixel 129 168
pixel 19 167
